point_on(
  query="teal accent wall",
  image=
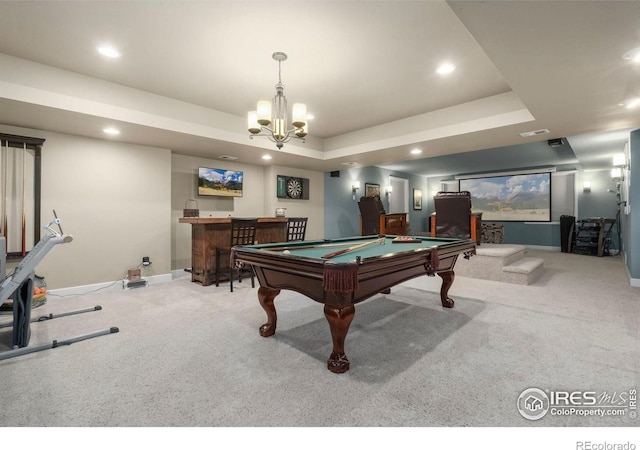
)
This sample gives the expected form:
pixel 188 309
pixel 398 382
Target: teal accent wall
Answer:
pixel 342 216
pixel 538 234
pixel 597 203
pixel 631 241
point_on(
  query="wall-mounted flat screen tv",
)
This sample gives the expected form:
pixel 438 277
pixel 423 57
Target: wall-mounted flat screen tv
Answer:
pixel 219 182
pixel 511 198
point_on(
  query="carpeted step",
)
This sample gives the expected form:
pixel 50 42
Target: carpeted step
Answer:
pixel 501 262
pixel 502 254
pixel 524 271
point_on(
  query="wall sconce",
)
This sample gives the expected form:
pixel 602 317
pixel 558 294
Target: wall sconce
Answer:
pixel 354 187
pixel 619 160
pixel 388 190
pixel 616 174
pixel 586 186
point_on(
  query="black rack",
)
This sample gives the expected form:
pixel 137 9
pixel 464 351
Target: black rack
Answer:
pixel 592 236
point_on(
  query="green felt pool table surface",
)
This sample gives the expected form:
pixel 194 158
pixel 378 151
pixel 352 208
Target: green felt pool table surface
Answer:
pixel 386 246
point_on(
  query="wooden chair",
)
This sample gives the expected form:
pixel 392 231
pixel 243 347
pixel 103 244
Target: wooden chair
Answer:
pixel 243 232
pixel 453 217
pixel 296 228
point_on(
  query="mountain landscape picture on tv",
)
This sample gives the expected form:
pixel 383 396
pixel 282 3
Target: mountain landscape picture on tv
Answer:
pixel 525 198
pixel 219 182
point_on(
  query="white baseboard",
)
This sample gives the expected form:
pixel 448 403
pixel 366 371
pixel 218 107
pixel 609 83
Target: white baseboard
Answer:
pixel 108 286
pixel 543 247
pixel 179 273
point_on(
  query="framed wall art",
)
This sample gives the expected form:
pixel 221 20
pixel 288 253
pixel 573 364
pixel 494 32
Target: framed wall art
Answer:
pixel 371 190
pixel 417 199
pixel 219 182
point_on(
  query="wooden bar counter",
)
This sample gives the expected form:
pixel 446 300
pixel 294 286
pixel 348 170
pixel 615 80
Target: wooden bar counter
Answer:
pixel 207 233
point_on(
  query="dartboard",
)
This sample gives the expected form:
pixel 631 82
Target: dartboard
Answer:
pixel 294 188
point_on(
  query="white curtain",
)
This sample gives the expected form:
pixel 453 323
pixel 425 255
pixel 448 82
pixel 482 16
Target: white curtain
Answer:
pixel 17 199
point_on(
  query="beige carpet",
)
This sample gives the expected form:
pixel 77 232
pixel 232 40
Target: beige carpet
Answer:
pixel 188 355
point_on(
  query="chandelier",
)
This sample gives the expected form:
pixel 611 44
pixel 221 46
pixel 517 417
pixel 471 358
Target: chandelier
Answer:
pixel 270 117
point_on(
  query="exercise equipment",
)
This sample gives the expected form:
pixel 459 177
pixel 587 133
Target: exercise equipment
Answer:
pixel 19 285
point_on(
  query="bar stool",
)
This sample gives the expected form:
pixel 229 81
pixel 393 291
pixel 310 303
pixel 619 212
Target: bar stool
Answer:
pixel 243 232
pixel 296 228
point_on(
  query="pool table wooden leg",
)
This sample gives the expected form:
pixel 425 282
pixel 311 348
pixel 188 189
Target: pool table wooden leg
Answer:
pixel 339 322
pixel 265 297
pixel 447 281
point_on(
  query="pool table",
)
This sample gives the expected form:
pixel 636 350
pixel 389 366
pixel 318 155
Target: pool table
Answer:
pixel 342 272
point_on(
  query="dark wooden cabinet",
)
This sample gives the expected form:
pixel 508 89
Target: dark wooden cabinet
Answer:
pixel 395 223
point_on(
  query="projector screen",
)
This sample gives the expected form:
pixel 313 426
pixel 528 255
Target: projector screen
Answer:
pixel 512 198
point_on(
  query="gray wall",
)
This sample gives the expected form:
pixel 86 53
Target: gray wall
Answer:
pixel 259 199
pixel 121 202
pixel 113 198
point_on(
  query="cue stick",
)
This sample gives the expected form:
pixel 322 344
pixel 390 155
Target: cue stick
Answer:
pixel 351 249
pixel 305 247
pixel 24 220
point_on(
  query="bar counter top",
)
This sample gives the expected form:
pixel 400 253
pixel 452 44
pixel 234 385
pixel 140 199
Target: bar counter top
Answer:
pixel 206 220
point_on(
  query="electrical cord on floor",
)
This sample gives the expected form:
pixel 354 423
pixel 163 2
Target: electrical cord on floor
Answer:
pixel 87 292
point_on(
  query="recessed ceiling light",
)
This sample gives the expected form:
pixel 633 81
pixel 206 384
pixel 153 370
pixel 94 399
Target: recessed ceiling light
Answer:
pixel 266 157
pixel 632 103
pixel 446 68
pixel 108 51
pixel 416 151
pixel 111 131
pixel 632 55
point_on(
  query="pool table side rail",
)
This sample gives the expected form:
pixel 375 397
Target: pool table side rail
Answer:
pixel 375 274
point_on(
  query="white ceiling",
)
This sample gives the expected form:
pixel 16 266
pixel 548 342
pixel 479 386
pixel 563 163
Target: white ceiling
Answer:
pixel 190 70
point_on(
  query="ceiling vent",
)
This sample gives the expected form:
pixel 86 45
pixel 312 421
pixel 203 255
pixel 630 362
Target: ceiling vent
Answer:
pixel 228 157
pixel 535 133
pixel 556 142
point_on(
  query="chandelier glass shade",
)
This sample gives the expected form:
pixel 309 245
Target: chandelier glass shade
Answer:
pixel 270 117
